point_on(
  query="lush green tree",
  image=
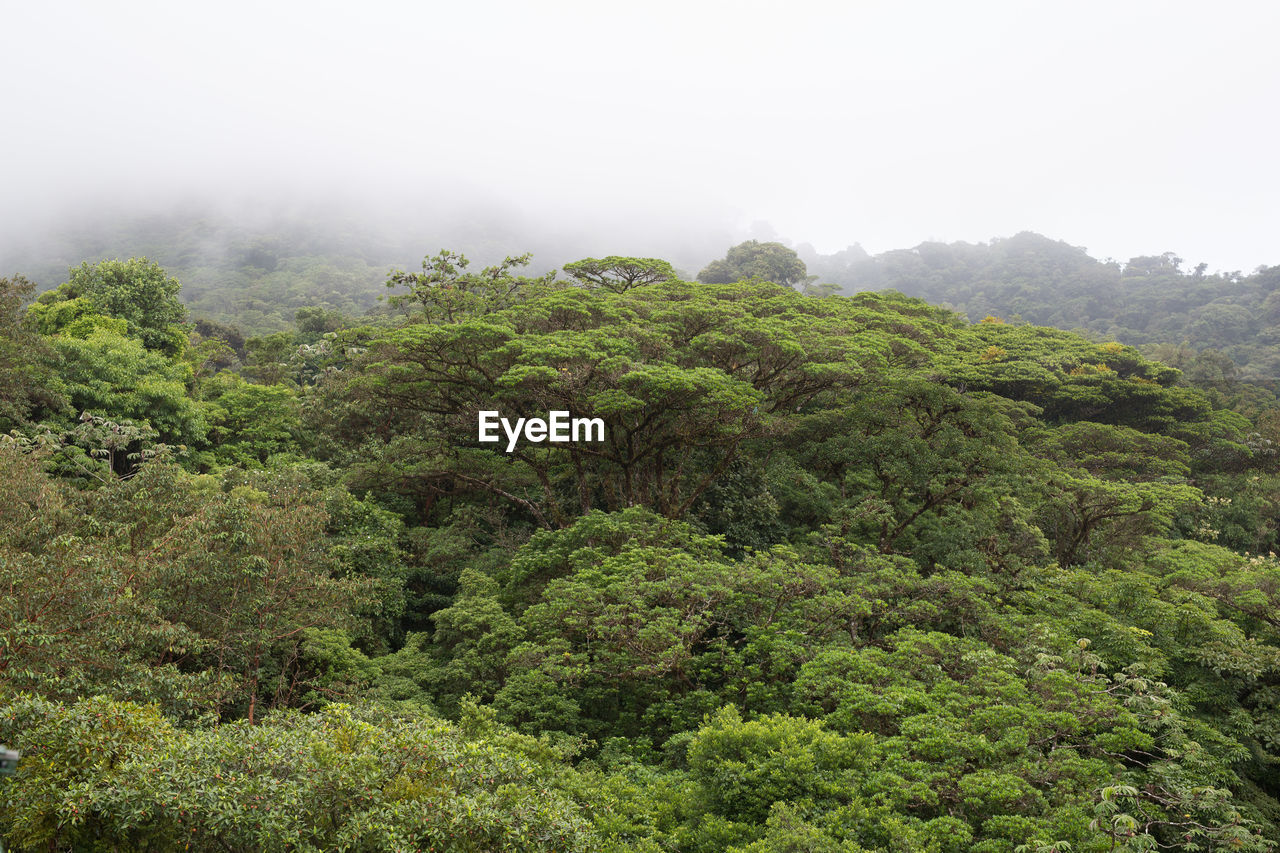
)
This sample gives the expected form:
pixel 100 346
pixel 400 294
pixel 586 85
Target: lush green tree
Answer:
pixel 370 543
pixel 646 625
pixel 930 471
pixel 620 274
pixel 744 767
pixel 269 357
pixel 444 290
pixel 753 259
pixel 229 335
pixel 249 423
pixel 1091 519
pixel 466 653
pixel 313 319
pixel 247 571
pixel 100 774
pixel 73 617
pixel 26 376
pixel 739 506
pixel 137 291
pixel 682 377
pixel 148 583
pixel 112 375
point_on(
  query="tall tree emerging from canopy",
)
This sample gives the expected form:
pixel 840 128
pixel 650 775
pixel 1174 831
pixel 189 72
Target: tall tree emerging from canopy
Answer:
pixel 620 274
pixel 137 290
pixel 753 259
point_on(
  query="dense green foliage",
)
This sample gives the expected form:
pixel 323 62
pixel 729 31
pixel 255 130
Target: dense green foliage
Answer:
pixel 846 573
pixel 1187 317
pixel 753 259
pixel 257 273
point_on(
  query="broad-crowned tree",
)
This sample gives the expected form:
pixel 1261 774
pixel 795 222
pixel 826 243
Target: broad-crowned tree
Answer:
pixel 137 290
pixel 753 259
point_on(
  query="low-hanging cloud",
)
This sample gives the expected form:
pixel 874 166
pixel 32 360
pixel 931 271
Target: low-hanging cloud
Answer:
pixel 1129 129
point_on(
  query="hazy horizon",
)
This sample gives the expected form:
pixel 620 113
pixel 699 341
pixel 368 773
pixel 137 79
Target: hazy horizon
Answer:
pixel 1129 130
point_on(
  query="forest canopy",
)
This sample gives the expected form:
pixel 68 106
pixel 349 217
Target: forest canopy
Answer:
pixel 848 571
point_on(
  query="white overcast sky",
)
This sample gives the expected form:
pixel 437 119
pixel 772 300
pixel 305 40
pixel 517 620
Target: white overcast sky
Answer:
pixel 1125 127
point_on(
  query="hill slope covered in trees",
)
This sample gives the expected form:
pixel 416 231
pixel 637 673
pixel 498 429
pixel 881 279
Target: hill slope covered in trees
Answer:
pixel 1150 301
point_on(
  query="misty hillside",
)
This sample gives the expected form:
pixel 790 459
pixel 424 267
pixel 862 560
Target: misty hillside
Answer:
pixel 1144 301
pixel 255 275
pixel 250 272
pixel 254 269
